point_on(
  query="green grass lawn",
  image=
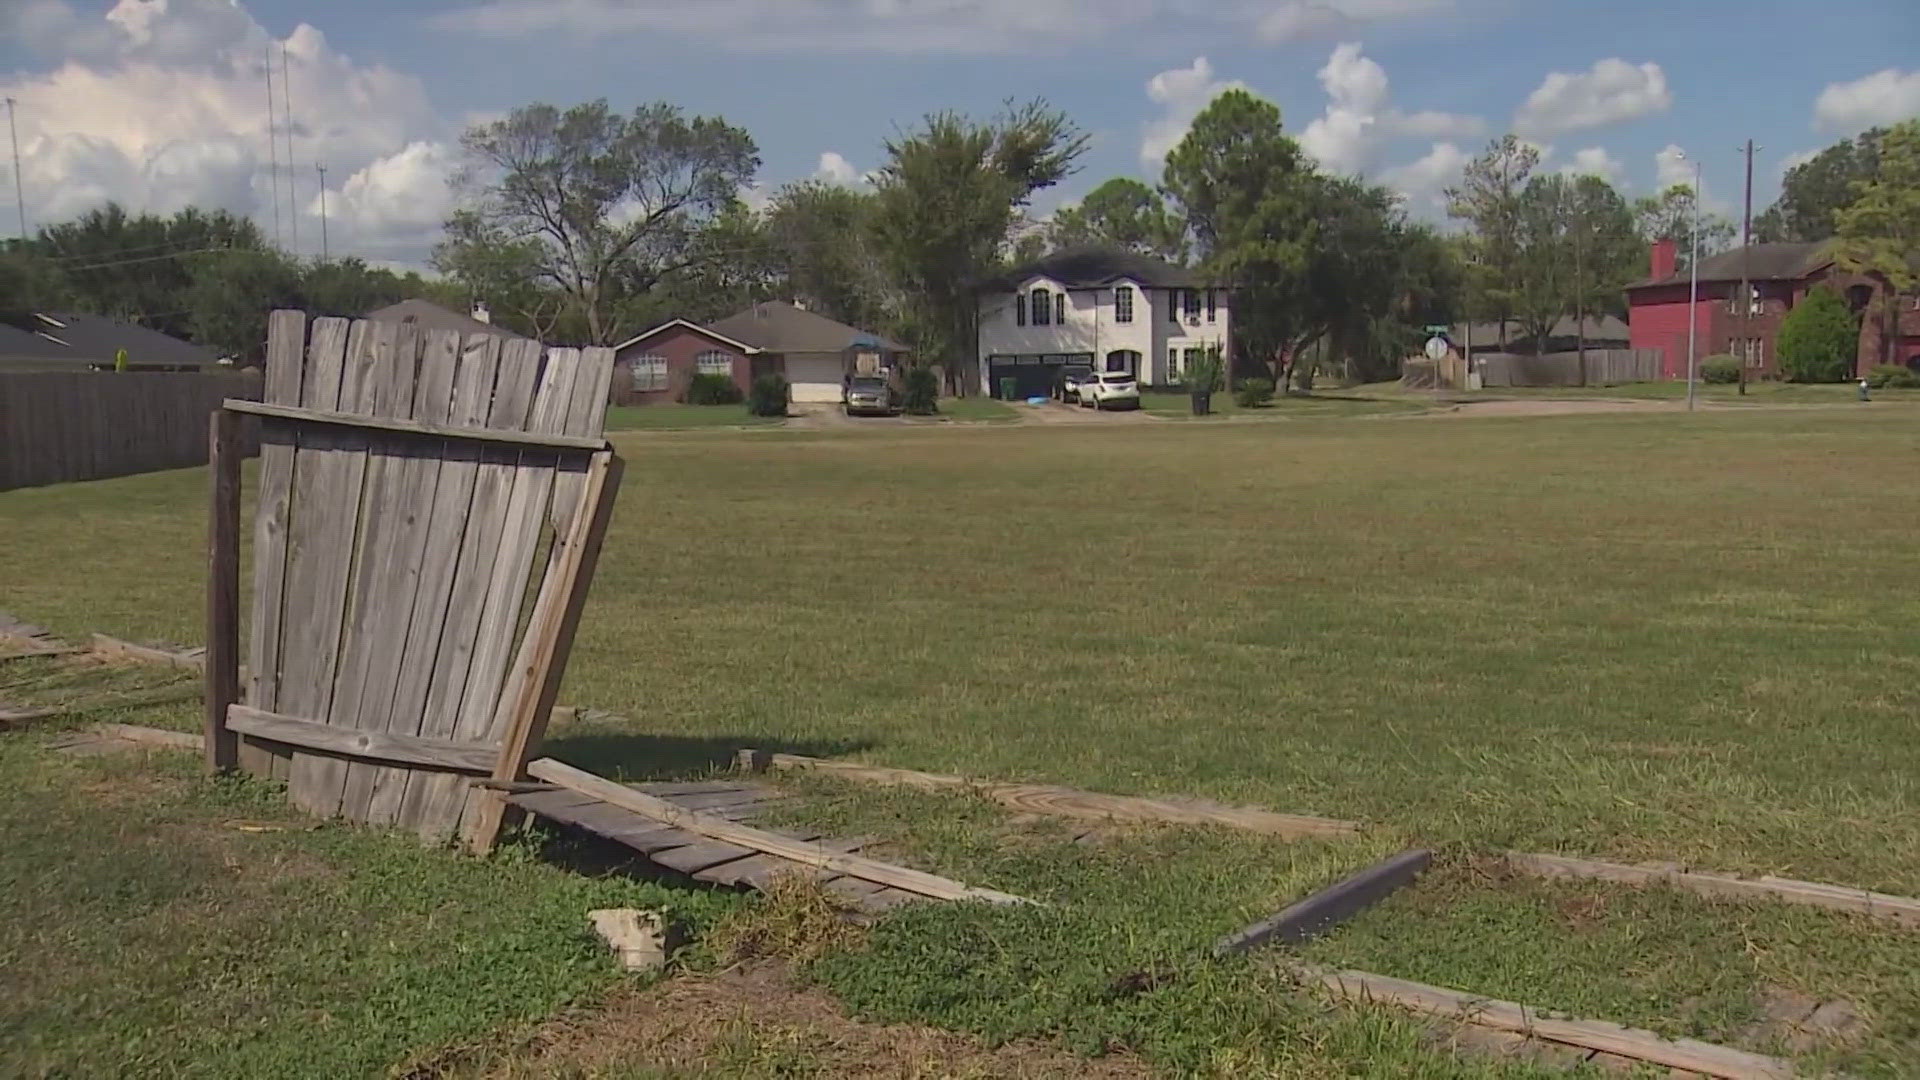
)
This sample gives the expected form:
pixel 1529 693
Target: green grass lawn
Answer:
pixel 670 416
pixel 1635 636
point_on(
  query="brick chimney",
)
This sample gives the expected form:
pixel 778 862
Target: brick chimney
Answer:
pixel 1666 256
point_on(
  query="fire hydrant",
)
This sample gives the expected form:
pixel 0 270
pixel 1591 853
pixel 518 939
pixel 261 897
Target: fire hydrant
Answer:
pixel 1864 394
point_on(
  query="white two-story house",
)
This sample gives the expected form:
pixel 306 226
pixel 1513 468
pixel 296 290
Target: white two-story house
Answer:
pixel 1109 309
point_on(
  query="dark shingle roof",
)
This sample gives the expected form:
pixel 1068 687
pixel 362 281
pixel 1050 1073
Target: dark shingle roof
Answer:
pixel 777 326
pixel 432 316
pixel 1765 262
pixel 1088 267
pixel 63 340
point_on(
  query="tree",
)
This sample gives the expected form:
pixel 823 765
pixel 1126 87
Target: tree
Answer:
pixel 29 282
pixel 1489 198
pixel 1813 193
pixel 230 296
pixel 1879 234
pixel 602 207
pixel 1669 216
pixel 1818 339
pixel 1217 175
pixel 820 244
pixel 1122 213
pixel 138 268
pixel 945 205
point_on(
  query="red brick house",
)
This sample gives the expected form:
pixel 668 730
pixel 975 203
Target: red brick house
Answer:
pixel 814 352
pixel 1779 276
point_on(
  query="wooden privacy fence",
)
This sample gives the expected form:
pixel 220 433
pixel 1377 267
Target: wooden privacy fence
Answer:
pixel 60 426
pixel 1605 367
pixel 414 486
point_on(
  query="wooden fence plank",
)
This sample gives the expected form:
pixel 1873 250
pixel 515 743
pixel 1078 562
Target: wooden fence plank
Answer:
pixel 1717 1061
pixel 223 589
pixel 1069 802
pixel 371 745
pixel 1330 906
pixel 321 567
pixel 718 828
pixel 1899 909
pixel 428 430
pixel 60 426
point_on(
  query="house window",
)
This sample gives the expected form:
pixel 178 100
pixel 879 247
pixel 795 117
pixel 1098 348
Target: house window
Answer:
pixel 1173 305
pixel 1019 309
pixel 714 362
pixel 1123 304
pixel 1193 305
pixel 1060 308
pixel 1173 365
pixel 1042 307
pixel 649 373
pixel 1213 305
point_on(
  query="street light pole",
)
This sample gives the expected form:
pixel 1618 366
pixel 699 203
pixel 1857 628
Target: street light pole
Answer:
pixel 1693 290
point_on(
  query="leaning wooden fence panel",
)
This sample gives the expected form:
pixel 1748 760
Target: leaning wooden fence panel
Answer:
pixel 409 483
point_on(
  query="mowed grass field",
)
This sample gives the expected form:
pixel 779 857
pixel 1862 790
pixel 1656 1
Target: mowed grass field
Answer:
pixel 1637 637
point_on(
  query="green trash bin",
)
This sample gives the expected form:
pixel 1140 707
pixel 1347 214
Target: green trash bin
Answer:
pixel 1008 387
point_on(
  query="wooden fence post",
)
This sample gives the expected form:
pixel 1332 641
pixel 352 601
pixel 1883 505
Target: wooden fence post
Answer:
pixel 223 587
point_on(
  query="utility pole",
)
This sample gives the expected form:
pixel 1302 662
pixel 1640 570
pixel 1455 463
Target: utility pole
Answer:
pixel 19 184
pixel 1579 220
pixel 293 174
pixel 1746 254
pixel 273 151
pixel 1693 290
pixel 322 170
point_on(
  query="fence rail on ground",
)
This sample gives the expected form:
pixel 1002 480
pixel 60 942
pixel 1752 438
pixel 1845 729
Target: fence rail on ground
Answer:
pixel 62 426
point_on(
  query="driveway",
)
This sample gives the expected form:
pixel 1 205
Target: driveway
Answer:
pixel 1054 412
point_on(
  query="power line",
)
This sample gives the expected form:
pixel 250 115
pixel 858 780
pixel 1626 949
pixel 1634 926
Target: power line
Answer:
pixel 293 196
pixel 273 152
pixel 322 170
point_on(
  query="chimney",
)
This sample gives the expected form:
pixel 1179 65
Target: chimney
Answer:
pixel 481 314
pixel 1666 256
pixel 799 303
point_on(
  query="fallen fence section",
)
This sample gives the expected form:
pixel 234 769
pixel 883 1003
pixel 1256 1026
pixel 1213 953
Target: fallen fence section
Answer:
pixel 1065 801
pixel 643 818
pixel 1717 1061
pixel 1900 909
pixel 1330 906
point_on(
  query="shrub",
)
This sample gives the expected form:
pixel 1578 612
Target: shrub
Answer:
pixel 768 396
pixel 1720 369
pixel 1818 339
pixel 1893 375
pixel 1254 393
pixel 707 389
pixel 1204 374
pixel 922 397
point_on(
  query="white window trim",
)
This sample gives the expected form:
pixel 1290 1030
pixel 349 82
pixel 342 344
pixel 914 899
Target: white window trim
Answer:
pixel 706 364
pixel 656 377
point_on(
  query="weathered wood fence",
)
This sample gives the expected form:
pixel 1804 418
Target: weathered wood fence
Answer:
pixel 1605 367
pixel 61 426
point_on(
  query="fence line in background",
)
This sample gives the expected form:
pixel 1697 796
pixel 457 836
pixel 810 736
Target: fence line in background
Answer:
pixel 1605 367
pixel 61 426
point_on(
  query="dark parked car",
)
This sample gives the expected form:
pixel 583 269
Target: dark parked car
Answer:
pixel 1066 385
pixel 869 395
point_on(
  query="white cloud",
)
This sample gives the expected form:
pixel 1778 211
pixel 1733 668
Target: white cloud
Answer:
pixel 1795 159
pixel 1884 97
pixel 1595 161
pixel 1673 166
pixel 1359 117
pixel 1181 94
pixel 1611 92
pixel 836 169
pixel 1422 183
pixel 1294 20
pixel 160 105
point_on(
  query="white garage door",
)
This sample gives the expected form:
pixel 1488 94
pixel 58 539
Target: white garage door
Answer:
pixel 815 378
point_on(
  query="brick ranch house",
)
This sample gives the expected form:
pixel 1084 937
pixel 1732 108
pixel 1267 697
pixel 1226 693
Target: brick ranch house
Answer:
pixel 814 352
pixel 1780 276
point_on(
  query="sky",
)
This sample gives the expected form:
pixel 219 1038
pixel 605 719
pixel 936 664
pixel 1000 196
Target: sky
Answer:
pixel 160 104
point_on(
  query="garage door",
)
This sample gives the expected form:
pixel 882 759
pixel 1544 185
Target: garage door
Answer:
pixel 815 378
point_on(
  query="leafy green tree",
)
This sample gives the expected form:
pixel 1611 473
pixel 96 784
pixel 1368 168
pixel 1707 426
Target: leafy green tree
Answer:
pixel 1219 173
pixel 1879 234
pixel 230 296
pixel 820 241
pixel 1814 192
pixel 947 200
pixel 1122 213
pixel 602 207
pixel 1669 216
pixel 1490 198
pixel 1818 339
pixel 29 282
pixel 138 267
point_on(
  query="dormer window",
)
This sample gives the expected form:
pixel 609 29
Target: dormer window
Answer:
pixel 1020 309
pixel 1123 304
pixel 1042 307
pixel 1060 308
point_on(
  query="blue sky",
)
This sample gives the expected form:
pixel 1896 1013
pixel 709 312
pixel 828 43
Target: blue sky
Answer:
pixel 159 102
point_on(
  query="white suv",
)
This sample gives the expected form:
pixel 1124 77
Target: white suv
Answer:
pixel 1110 390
